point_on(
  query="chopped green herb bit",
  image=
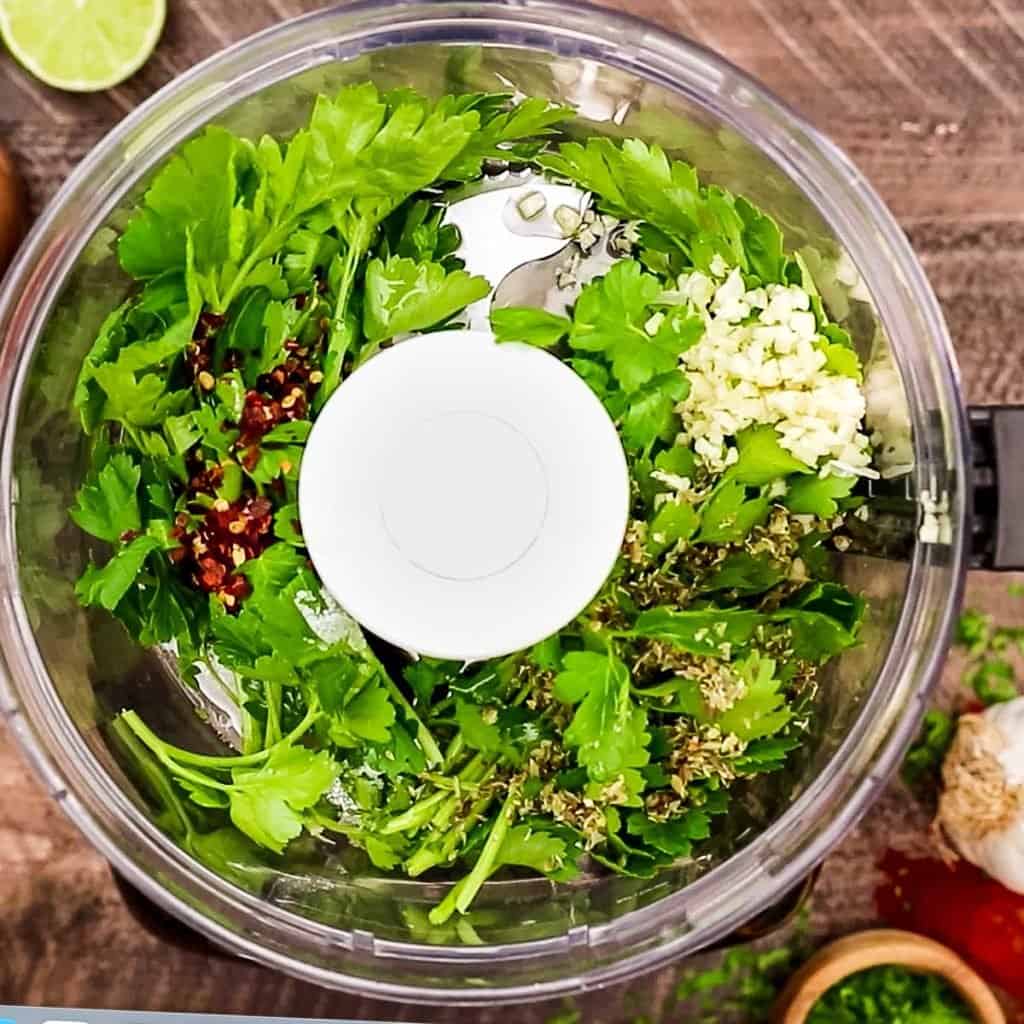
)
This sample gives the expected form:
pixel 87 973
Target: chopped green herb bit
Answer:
pixel 891 995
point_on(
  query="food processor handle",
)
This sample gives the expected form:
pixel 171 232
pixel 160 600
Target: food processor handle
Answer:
pixel 997 529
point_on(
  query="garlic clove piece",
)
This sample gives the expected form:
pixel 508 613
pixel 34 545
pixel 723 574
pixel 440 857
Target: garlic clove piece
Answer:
pixel 981 810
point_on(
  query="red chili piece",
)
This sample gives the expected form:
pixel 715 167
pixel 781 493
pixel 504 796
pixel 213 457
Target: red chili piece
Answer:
pixel 227 537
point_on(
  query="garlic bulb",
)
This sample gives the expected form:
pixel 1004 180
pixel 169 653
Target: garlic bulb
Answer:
pixel 981 810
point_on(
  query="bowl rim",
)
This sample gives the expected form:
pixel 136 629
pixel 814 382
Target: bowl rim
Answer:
pixel 880 947
pixel 175 881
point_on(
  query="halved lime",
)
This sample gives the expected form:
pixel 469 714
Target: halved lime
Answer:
pixel 82 45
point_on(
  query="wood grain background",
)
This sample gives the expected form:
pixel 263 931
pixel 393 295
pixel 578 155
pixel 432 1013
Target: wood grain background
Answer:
pixel 927 96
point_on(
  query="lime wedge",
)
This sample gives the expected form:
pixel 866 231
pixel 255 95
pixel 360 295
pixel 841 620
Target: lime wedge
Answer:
pixel 82 45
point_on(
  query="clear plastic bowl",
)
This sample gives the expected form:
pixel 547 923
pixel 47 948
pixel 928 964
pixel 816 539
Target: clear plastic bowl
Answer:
pixel 66 671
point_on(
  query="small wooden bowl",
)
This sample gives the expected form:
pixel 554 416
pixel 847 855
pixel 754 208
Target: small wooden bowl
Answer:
pixel 878 948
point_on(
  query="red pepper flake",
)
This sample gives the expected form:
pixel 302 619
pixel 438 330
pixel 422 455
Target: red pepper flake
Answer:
pixel 199 352
pixel 208 324
pixel 207 480
pixel 228 536
pixel 958 905
pixel 250 458
pixel 260 415
pixel 281 395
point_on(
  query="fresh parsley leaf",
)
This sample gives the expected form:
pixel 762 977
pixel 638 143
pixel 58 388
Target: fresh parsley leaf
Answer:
pixel 721 232
pixel 840 355
pixel 674 837
pixel 489 684
pixel 193 195
pixel 765 755
pixel 762 710
pixel 709 632
pixel 815 636
pixel 612 315
pixel 182 432
pixel 288 433
pixel 479 734
pixel 415 231
pixel 744 573
pixel 548 653
pixel 834 600
pixel 625 858
pixel 817 495
pixel 273 570
pixel 287 526
pixel 382 852
pixel 762 458
pixel 501 133
pixel 112 336
pixel 729 515
pixel 424 676
pixel 608 729
pixel 399 148
pixel 106 586
pixel 402 296
pixel 673 522
pixel 230 392
pixel 136 400
pixel 635 182
pixel 677 460
pixel 168 611
pixel 523 846
pixel 659 253
pixel 369 715
pixel 267 802
pixel 531 326
pixel 651 414
pixel 842 361
pixel 762 243
pixel 108 507
pixel 262 346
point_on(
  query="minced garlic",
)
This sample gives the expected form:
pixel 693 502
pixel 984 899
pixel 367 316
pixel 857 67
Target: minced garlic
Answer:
pixel 760 361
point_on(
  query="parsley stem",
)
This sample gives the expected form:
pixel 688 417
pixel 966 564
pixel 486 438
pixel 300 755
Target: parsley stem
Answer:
pixel 462 894
pixel 177 756
pixel 455 748
pixel 196 778
pixel 423 812
pixel 265 250
pixel 416 816
pixel 160 784
pixel 341 335
pixel 430 854
pixel 427 743
pixel 272 695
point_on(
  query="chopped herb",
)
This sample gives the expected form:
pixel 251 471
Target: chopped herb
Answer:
pixel 891 995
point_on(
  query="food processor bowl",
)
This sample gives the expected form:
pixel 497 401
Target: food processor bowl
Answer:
pixel 313 913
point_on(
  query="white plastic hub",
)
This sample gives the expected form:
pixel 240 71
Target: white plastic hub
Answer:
pixel 463 499
pixel 455 532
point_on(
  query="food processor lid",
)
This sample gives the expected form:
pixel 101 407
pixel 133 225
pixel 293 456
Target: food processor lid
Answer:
pixel 463 499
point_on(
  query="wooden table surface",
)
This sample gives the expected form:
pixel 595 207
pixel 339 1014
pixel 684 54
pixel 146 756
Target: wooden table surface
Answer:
pixel 927 96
